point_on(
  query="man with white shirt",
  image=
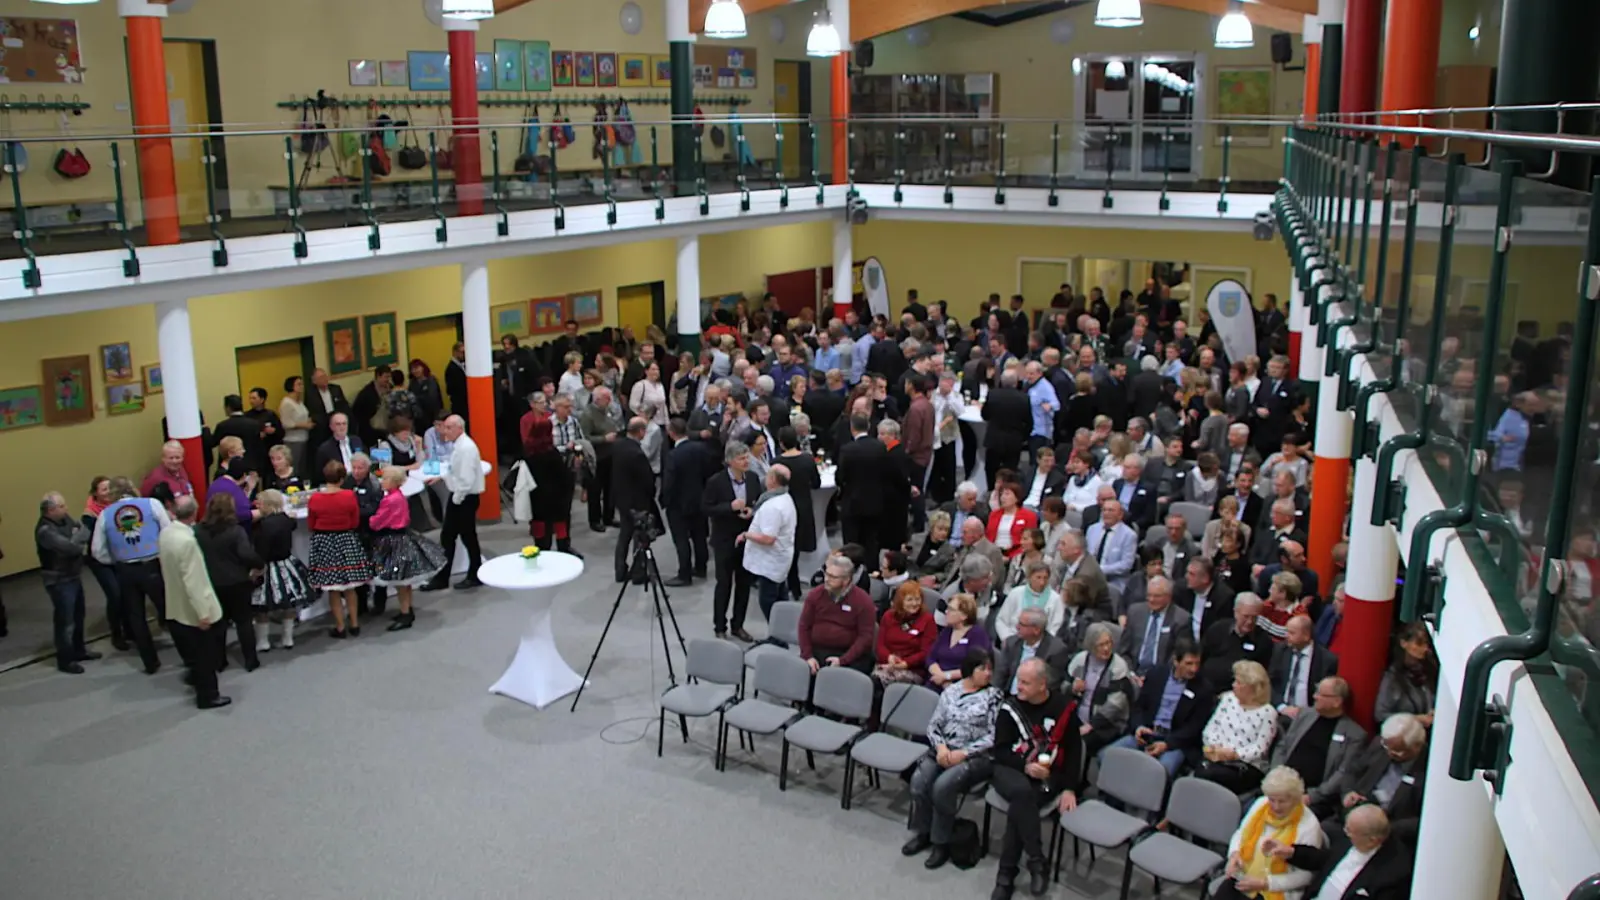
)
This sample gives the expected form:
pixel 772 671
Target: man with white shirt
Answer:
pixel 339 447
pixel 1114 545
pixel 465 483
pixel 769 541
pixel 1359 862
pixel 1082 489
pixel 1041 480
pixel 947 409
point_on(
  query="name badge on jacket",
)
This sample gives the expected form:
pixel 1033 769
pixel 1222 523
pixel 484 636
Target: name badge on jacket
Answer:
pixel 1188 693
pixel 1338 739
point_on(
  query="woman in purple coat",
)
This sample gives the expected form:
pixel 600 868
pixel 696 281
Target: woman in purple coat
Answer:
pixel 961 632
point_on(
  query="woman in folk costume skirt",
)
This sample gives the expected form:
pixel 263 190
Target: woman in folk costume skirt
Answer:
pixel 339 564
pixel 401 558
pixel 552 471
pixel 285 586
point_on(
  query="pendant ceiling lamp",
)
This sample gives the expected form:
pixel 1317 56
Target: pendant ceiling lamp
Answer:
pixel 1118 14
pixel 468 9
pixel 725 19
pixel 1116 70
pixel 1234 31
pixel 824 39
pixel 68 2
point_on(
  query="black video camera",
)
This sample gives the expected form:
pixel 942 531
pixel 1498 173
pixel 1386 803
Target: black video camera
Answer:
pixel 646 527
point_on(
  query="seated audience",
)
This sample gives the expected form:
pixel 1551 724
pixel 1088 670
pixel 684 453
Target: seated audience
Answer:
pixel 1239 735
pixel 1034 593
pixel 1030 642
pixel 961 735
pixel 1114 544
pixel 1298 664
pixel 1318 745
pixel 1205 600
pixel 1291 558
pixel 1171 710
pixel 1038 758
pixel 961 634
pixel 977 578
pixel 1391 772
pixel 1076 613
pixel 1009 520
pixel 1359 862
pixel 1279 817
pixel 1227 511
pixel 1226 643
pixel 1174 546
pixel 1230 562
pixel 905 636
pixel 1283 603
pixel 1032 552
pixel 1327 630
pixel 836 621
pixel 967 505
pixel 973 545
pixel 1408 684
pixel 1102 684
pixel 936 550
pixel 1072 563
pixel 1152 628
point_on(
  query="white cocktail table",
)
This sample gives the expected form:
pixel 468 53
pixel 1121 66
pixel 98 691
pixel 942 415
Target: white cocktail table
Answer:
pixel 538 675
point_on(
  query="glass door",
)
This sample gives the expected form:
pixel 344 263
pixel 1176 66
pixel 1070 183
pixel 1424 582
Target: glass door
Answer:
pixel 1138 115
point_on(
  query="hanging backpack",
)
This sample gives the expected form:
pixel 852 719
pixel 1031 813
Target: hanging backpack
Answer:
pixel 445 157
pixel 314 133
pixel 602 131
pixel 699 122
pixel 529 143
pixel 625 132
pixel 377 152
pixel 70 163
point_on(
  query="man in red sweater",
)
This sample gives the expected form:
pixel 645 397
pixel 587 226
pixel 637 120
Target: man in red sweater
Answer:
pixel 917 433
pixel 837 621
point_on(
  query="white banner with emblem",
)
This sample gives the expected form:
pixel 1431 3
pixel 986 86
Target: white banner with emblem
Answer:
pixel 876 286
pixel 1234 318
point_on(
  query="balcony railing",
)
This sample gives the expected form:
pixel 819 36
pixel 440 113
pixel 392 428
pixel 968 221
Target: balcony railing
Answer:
pixel 1483 343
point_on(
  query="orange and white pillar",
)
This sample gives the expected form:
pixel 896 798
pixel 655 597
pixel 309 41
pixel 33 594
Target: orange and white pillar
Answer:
pixel 1311 36
pixel 181 392
pixel 1330 474
pixel 839 91
pixel 1411 59
pixel 147 77
pixel 466 154
pixel 1362 640
pixel 479 340
pixel 1299 315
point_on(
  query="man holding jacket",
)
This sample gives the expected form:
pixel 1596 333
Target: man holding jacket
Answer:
pixel 63 542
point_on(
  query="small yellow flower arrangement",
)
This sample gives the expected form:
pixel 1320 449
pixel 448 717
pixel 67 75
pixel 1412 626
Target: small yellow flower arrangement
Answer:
pixel 530 556
pixel 292 490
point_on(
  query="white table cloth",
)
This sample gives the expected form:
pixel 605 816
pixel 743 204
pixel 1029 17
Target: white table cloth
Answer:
pixel 820 496
pixel 538 675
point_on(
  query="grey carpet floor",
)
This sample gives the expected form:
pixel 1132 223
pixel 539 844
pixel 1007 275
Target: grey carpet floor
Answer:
pixel 381 767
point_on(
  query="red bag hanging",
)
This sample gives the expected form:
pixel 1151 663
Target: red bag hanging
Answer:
pixel 71 163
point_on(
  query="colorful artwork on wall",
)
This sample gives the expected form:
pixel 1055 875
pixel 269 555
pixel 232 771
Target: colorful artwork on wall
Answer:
pixel 508 65
pixel 605 68
pixel 122 399
pixel 549 314
pixel 485 62
pixel 1245 93
pixel 344 345
pixel 563 68
pixel 67 384
pixel 21 407
pixel 660 71
pixel 382 349
pixel 428 70
pixel 536 65
pixel 634 69
pixel 152 379
pixel 363 73
pixel 116 362
pixel 584 66
pixel 394 73
pixel 586 307
pixel 40 51
pixel 511 319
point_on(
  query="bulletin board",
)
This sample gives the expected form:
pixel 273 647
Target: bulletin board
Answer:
pixel 39 51
pixel 721 66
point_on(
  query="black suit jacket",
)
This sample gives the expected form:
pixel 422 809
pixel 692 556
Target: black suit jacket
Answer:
pixel 1141 508
pixel 887 359
pixel 824 407
pixel 1050 649
pixel 1188 720
pixel 1386 876
pixel 863 475
pixel 1010 418
pixel 1054 484
pixel 1111 398
pixel 1363 772
pixel 716 501
pixel 684 474
pixel 632 481
pixel 1324 662
pixel 362 411
pixel 1264 545
pixel 1249 511
pixel 328 451
pixel 455 387
pixel 247 430
pixel 1145 390
pixel 1219 604
pixel 1267 433
pixel 320 414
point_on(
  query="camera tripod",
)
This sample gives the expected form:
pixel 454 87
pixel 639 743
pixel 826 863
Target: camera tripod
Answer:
pixel 643 564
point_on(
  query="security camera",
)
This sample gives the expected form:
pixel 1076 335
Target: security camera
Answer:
pixel 1264 228
pixel 857 211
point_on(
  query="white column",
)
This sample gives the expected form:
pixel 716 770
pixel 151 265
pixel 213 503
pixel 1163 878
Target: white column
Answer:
pixel 130 8
pixel 689 290
pixel 1374 549
pixel 475 329
pixel 839 12
pixel 1333 425
pixel 844 261
pixel 678 26
pixel 180 391
pixel 1309 365
pixel 1457 816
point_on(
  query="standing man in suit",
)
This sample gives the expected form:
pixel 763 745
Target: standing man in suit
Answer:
pixel 689 464
pixel 1274 401
pixel 455 379
pixel 633 484
pixel 1032 641
pixel 1171 711
pixel 1114 545
pixel 1317 746
pixel 339 447
pixel 1237 455
pixel 1359 863
pixel 863 471
pixel 465 484
pixel 1298 665
pixel 1152 627
pixel 247 430
pixel 1010 418
pixel 1205 600
pixel 729 500
pixel 322 402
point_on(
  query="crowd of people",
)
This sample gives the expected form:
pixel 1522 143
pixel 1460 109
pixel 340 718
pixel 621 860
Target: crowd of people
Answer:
pixel 1066 605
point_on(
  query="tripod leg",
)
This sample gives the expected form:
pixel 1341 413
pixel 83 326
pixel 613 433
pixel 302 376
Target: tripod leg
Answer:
pixel 600 643
pixel 655 577
pixel 683 725
pixel 661 625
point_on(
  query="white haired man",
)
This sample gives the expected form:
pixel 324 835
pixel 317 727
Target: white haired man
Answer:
pixel 465 482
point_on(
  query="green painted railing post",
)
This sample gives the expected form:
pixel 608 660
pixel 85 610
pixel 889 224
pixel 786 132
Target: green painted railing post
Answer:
pixel 1055 163
pixel 1106 200
pixel 816 174
pixel 31 278
pixel 1353 289
pixel 219 256
pixel 783 177
pixel 1227 162
pixel 738 156
pixel 301 248
pixel 605 180
pixel 374 241
pixel 948 158
pixel 1166 168
pixel 1000 178
pixel 1375 319
pixel 130 266
pixel 700 179
pixel 899 163
pixel 555 192
pixel 655 177
pixel 1364 439
pixel 1475 745
pixel 503 226
pixel 441 234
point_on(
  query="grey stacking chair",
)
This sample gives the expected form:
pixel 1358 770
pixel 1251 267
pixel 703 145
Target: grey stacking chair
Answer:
pixel 716 672
pixel 1199 808
pixel 993 801
pixel 783 626
pixel 1196 515
pixel 781 682
pixel 1074 517
pixel 842 691
pixel 1135 779
pixel 908 708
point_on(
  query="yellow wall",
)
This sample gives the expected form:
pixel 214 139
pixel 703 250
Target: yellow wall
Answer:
pixel 269 51
pixel 964 264
pixel 1034 73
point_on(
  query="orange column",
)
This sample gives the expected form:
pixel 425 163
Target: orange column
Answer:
pixel 1308 104
pixel 840 89
pixel 1410 58
pixel 147 74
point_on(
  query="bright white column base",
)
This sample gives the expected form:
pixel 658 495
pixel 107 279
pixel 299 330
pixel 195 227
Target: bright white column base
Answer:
pixel 537 676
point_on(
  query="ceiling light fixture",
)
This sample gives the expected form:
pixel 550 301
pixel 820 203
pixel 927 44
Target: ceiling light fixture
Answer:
pixel 1115 70
pixel 1234 31
pixel 1118 14
pixel 725 20
pixel 468 9
pixel 824 38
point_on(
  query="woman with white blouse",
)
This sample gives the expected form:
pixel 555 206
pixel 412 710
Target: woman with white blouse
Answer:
pixel 572 379
pixel 1034 592
pixel 650 392
pixel 1239 735
pixel 296 420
